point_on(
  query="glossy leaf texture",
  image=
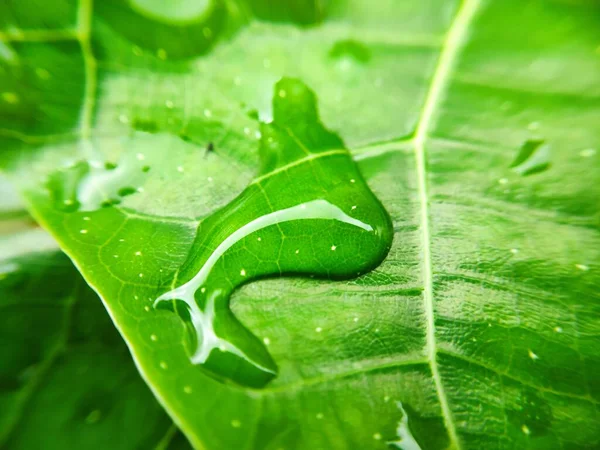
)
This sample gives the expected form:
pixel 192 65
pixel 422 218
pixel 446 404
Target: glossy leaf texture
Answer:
pixel 66 379
pixel 128 125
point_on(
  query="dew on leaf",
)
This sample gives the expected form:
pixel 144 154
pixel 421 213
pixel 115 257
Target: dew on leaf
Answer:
pixel 218 343
pixel 533 157
pixel 587 152
pixel 582 267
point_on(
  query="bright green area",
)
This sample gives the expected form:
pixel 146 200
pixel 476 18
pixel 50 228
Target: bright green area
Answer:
pixel 483 320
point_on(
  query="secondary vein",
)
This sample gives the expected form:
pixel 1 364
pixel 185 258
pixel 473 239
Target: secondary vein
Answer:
pixel 452 45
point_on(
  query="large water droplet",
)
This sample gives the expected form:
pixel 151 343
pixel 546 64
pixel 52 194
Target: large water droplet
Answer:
pixel 307 212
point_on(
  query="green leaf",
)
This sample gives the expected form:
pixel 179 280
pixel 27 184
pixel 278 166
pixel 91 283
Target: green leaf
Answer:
pixel 66 380
pixel 479 329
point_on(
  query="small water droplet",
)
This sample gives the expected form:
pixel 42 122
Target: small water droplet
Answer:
pixel 355 319
pixel 243 272
pixel 207 113
pixel 532 355
pixel 533 157
pixel 153 337
pixel 235 423
pixel 164 365
pixel 319 416
pixel 266 340
pixel 83 231
pixel 377 436
pixel 558 329
pixel 514 251
pixel 318 329
pixel 282 93
pixel 588 152
pixel 525 429
pixel 582 267
pixel 333 247
pixel 147 308
pixel 180 169
pixel 503 180
pixel 141 275
pixel 169 104
pixel 187 389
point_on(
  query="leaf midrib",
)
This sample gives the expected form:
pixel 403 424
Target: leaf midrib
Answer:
pixel 450 49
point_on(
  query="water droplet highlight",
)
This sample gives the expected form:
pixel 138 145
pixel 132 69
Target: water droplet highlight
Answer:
pixel 406 440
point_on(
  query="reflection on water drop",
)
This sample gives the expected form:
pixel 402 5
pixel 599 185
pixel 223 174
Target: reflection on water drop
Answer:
pixel 405 441
pixel 297 202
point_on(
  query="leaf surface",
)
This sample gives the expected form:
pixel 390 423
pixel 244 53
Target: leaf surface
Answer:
pixel 67 378
pixel 480 328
